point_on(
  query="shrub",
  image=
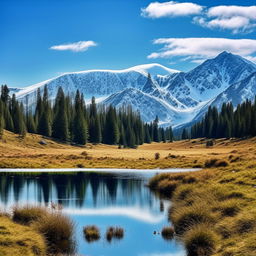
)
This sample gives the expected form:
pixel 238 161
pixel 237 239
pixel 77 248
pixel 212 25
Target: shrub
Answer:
pixel 168 233
pixel 28 214
pixel 157 156
pixel 114 232
pixel 185 217
pixel 58 231
pixel 167 187
pixel 215 163
pixel 91 233
pixel 209 143
pixel 200 241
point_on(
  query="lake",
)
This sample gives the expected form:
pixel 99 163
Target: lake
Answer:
pixel 101 197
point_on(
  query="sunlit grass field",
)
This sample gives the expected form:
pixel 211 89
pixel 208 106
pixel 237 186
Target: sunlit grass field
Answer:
pixel 216 205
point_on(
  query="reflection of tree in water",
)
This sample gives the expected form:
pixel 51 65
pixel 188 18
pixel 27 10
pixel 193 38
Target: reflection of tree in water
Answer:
pixel 72 188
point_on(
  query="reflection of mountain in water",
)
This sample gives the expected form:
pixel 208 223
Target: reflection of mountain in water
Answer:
pixel 74 190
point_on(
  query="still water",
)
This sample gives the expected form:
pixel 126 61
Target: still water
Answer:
pixel 102 197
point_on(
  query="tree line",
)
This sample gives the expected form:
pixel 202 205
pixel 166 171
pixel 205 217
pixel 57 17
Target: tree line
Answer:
pixel 69 119
pixel 227 123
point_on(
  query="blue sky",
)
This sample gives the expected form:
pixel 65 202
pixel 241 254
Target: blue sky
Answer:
pixel 39 39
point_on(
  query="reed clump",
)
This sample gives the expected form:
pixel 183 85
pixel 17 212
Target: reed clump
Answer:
pixel 200 241
pixel 114 232
pixel 27 214
pixel 56 228
pixel 168 232
pixel 91 233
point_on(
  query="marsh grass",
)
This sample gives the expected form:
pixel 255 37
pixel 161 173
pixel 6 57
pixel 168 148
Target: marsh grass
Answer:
pixel 114 232
pixel 168 233
pixel 184 218
pixel 91 233
pixel 27 214
pixel 200 241
pixel 58 231
pixel 56 228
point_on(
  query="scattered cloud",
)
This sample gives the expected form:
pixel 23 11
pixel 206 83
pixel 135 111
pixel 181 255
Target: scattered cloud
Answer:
pixel 230 17
pixel 80 46
pixel 198 49
pixel 170 9
pixel 235 18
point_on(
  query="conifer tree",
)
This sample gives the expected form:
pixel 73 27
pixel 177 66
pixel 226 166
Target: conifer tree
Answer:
pixel 44 115
pixel 80 133
pixel 147 138
pixel 60 122
pixel 111 131
pixel 1 118
pixel 184 135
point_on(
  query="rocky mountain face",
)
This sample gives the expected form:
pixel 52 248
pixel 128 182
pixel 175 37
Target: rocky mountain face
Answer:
pixel 178 98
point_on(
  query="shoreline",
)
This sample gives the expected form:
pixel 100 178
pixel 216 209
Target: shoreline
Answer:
pixel 101 170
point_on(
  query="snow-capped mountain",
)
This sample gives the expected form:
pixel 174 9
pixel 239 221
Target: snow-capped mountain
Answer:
pixel 98 83
pixel 178 98
pixel 208 79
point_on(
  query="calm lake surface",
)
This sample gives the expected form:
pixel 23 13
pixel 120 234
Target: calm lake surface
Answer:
pixel 101 197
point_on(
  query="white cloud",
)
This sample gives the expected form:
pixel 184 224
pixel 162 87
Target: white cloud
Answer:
pixel 80 46
pixel 196 49
pixel 229 11
pixel 229 17
pixel 171 9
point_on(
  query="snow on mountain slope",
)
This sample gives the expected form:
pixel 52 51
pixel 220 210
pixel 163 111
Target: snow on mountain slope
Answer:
pixel 154 69
pixel 235 93
pixel 209 79
pixel 145 104
pixel 98 83
pixel 176 97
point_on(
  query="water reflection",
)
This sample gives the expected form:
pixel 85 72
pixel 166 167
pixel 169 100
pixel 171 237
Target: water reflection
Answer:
pixel 104 199
pixel 71 190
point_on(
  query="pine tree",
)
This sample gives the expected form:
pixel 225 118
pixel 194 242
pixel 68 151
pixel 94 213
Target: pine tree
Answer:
pixel 184 135
pixel 1 118
pixel 147 138
pixel 155 130
pixel 130 137
pixel 111 131
pixel 60 122
pixel 80 133
pixel 31 126
pixel 44 115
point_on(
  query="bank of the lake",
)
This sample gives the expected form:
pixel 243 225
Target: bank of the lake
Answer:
pixel 214 210
pixel 105 198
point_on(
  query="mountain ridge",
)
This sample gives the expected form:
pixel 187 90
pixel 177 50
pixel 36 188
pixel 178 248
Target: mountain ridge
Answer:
pixel 176 97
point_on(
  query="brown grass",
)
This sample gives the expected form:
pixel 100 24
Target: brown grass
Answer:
pixel 56 228
pixel 114 232
pixel 91 233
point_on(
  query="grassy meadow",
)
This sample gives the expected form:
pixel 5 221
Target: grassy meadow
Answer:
pixel 214 210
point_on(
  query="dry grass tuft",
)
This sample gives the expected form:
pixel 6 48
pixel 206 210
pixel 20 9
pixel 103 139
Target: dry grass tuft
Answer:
pixel 114 232
pixel 200 241
pixel 168 233
pixel 91 233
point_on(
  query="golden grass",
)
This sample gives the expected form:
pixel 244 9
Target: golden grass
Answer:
pixel 19 240
pixel 225 191
pixel 91 233
pixel 222 198
pixel 29 153
pixel 56 228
